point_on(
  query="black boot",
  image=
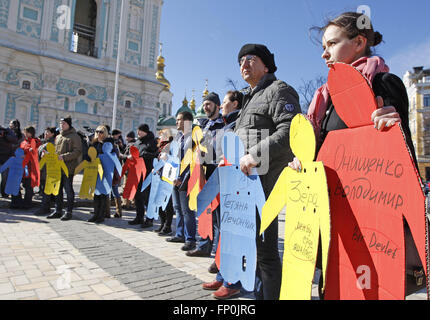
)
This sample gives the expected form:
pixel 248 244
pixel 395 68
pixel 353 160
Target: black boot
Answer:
pixel 148 223
pixel 102 209
pixel 67 216
pixel 16 202
pixel 168 213
pixel 55 215
pixel 107 207
pixel 162 215
pixel 96 204
pixel 167 231
pixel 138 219
pixel 45 206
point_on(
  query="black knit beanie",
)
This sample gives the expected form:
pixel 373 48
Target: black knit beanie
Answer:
pixel 213 97
pixel 260 51
pixel 68 120
pixel 144 127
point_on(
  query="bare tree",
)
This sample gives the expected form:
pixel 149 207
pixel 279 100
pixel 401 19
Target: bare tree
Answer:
pixel 231 83
pixel 307 91
pixel 235 85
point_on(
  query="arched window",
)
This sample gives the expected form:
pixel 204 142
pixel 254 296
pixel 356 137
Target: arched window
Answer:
pixel 26 84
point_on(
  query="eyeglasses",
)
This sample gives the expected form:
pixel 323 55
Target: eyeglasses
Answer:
pixel 248 57
pixel 99 131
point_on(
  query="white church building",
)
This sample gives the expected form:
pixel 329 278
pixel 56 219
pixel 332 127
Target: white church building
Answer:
pixel 58 58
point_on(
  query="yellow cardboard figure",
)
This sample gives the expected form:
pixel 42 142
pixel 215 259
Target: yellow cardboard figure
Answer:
pixel 53 170
pixel 192 158
pixel 91 170
pixel 307 214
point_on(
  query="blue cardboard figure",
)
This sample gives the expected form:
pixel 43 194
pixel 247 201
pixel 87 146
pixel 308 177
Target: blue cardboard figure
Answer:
pixel 239 197
pixel 110 162
pixel 16 171
pixel 162 182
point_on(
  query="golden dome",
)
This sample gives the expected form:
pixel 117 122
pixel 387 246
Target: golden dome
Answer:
pixel 185 102
pixel 160 70
pixel 206 92
pixel 193 102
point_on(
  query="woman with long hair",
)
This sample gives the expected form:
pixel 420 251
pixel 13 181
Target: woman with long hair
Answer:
pixel 344 41
pixel 101 202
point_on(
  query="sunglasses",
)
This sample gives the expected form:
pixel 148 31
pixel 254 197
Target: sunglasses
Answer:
pixel 99 131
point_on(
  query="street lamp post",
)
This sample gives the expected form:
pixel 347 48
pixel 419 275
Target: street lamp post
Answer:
pixel 115 97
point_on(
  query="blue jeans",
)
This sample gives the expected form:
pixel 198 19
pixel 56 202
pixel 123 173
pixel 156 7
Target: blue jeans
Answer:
pixel 185 218
pixel 67 184
pixel 208 245
pixel 235 286
pixel 115 191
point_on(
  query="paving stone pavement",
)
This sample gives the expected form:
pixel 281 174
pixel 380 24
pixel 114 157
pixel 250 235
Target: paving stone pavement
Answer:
pixel 108 261
pixel 52 259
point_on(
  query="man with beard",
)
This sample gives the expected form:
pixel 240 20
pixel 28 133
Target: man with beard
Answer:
pixel 210 128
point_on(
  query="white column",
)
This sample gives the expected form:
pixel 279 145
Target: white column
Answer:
pixel 146 40
pixel 118 60
pixel 47 15
pixel 13 15
pixel 111 9
pixel 62 33
pixel 3 97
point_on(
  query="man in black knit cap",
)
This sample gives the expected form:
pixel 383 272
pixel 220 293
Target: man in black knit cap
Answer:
pixel 263 125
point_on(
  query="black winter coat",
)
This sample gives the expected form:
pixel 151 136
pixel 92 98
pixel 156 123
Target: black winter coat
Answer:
pixel 393 91
pixel 8 142
pixel 148 150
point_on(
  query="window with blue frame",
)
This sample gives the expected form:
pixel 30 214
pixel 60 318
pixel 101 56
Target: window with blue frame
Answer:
pixel 81 106
pixel 427 100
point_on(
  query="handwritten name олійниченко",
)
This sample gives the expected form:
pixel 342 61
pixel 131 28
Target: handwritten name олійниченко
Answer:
pixel 366 165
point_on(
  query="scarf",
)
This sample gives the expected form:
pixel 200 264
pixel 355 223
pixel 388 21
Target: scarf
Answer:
pixel 369 68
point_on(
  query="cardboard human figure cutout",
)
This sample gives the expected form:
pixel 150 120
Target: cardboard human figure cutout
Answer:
pixel 110 162
pixel 92 169
pixel 136 172
pixel 307 214
pixel 16 172
pixel 195 185
pixel 240 195
pixel 53 170
pixel 162 182
pixel 197 175
pixel 374 186
pixel 32 161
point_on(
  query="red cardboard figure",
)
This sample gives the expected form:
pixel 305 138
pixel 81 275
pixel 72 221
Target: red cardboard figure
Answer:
pixel 374 190
pixel 136 171
pixel 32 160
pixel 205 220
pixel 196 183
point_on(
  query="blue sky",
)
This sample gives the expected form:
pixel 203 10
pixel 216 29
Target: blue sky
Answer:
pixel 201 38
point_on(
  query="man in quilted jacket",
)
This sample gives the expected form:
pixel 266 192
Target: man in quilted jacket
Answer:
pixel 263 125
